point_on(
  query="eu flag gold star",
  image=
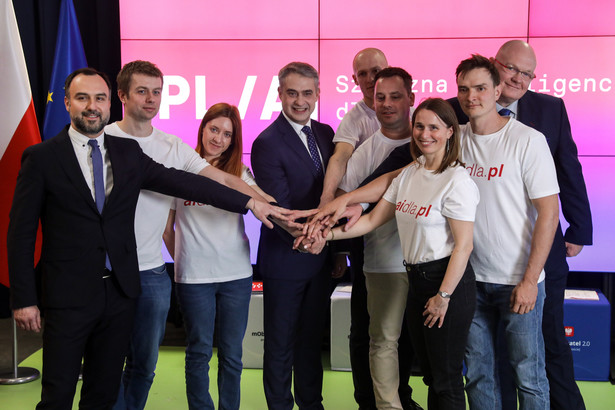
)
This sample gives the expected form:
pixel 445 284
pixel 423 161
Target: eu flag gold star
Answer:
pixel 49 99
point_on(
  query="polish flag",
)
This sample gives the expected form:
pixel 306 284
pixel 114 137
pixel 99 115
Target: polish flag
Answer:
pixel 18 126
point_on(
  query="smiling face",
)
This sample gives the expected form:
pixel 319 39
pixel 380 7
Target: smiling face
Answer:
pixel 430 134
pixel 392 103
pixel 516 63
pixel 298 95
pixel 217 137
pixel 88 104
pixel 142 101
pixel 476 93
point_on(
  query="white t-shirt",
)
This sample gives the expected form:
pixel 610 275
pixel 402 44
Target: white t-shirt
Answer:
pixel 382 247
pixel 423 200
pixel 358 124
pixel 153 208
pixel 510 167
pixel 210 243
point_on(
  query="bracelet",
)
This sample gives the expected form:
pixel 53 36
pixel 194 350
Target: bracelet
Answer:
pixel 332 235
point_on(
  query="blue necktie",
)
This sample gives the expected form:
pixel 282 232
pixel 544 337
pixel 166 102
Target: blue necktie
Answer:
pixel 99 185
pixel 505 112
pixel 313 149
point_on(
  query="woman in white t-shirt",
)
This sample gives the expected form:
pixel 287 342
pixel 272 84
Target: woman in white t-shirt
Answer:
pixel 434 201
pixel 212 268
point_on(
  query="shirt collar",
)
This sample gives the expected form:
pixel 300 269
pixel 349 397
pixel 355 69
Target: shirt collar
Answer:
pixel 513 107
pixel 296 127
pixel 82 140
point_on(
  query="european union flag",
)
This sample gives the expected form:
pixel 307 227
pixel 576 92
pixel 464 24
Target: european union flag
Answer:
pixel 69 56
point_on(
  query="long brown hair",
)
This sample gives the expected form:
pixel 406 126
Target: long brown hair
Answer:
pixel 230 160
pixel 445 112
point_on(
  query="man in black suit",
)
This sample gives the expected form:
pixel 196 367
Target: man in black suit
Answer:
pixel 289 159
pixel 88 271
pixel 516 62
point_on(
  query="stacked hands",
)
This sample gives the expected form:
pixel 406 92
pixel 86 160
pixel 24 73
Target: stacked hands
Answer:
pixel 314 233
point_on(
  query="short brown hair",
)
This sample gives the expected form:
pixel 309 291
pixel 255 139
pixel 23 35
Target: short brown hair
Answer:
pixel 124 77
pixel 478 61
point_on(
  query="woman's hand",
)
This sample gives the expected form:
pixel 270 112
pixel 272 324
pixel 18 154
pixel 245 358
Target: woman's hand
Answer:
pixel 435 310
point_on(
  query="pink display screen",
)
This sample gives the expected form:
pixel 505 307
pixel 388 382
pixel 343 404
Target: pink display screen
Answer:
pixel 210 54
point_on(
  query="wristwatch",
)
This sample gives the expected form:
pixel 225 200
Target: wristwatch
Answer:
pixel 444 295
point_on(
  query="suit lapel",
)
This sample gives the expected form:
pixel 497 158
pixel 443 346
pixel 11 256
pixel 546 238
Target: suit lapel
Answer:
pixel 294 142
pixel 68 161
pixel 118 168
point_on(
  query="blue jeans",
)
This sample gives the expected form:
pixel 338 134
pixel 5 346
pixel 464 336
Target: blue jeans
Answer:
pixel 147 334
pixel 201 305
pixel 524 343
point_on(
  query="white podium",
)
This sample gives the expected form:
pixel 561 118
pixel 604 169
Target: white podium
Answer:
pixel 340 328
pixel 254 339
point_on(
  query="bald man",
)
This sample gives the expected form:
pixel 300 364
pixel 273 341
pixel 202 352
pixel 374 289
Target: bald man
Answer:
pixel 359 124
pixel 516 62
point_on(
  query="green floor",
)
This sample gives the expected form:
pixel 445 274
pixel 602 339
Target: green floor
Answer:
pixel 168 390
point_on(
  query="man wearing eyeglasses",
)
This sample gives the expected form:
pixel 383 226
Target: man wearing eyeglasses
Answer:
pixel 516 63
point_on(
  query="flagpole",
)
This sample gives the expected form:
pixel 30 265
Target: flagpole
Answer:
pixel 19 375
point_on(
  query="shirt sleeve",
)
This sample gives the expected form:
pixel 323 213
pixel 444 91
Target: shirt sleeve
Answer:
pixel 192 160
pixel 461 199
pixel 347 132
pixel 355 169
pixel 392 191
pixel 247 177
pixel 538 169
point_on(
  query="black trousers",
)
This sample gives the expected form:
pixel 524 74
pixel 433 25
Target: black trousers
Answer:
pixel 441 350
pixel 98 333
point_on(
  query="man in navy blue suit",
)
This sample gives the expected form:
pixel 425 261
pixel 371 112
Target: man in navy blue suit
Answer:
pixel 516 62
pixel 289 159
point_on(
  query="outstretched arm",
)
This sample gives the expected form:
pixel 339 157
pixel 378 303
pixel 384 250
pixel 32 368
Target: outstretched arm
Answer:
pixel 335 209
pixel 384 212
pixel 335 171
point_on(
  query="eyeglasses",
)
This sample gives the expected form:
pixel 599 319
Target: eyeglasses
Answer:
pixel 511 69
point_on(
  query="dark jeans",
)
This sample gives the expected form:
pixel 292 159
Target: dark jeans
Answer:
pixel 441 350
pixel 359 341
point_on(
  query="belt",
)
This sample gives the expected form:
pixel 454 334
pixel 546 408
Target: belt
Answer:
pixel 427 267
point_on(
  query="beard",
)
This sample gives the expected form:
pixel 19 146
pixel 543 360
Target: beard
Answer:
pixel 86 127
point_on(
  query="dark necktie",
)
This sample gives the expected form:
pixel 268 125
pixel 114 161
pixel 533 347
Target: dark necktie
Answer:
pixel 99 185
pixel 505 112
pixel 313 149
